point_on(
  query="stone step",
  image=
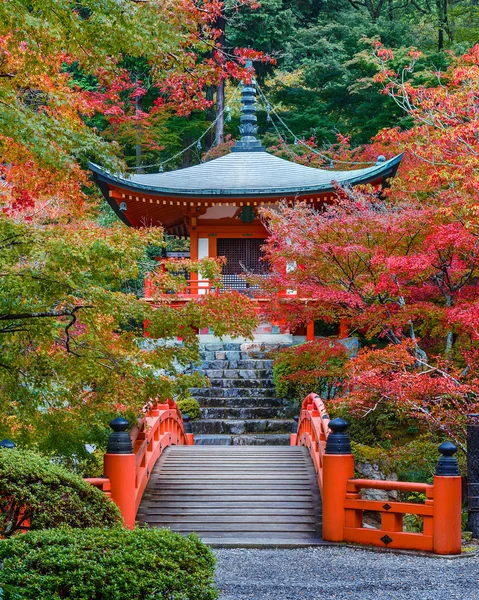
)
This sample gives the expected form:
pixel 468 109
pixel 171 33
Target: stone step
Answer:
pixel 234 392
pixel 257 412
pixel 242 383
pixel 262 439
pixel 234 355
pixel 238 373
pixel 242 402
pixel 237 364
pixel 215 347
pixel 240 426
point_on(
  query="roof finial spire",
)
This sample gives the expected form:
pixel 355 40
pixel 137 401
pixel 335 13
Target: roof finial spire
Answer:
pixel 248 127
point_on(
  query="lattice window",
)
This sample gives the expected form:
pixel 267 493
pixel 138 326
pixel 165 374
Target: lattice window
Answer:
pixel 242 256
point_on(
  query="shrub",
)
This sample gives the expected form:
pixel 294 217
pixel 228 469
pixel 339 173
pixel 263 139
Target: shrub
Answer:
pixel 36 494
pixel 190 407
pixel 106 564
pixel 315 366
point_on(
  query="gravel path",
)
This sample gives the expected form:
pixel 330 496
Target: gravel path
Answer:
pixel 343 574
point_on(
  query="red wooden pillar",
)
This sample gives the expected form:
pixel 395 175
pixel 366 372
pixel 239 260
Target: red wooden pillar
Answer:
pixel 343 328
pixel 194 256
pixel 338 468
pixel 447 503
pixel 310 331
pixel 120 468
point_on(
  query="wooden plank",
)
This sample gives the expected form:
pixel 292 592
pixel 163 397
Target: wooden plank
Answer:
pixel 230 477
pixel 227 504
pixel 249 494
pixel 394 507
pixel 286 542
pixel 399 539
pixel 238 519
pixel 232 488
pixel 241 527
pixel 234 512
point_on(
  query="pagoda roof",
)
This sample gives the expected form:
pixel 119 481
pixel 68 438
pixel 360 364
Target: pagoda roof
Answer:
pixel 249 174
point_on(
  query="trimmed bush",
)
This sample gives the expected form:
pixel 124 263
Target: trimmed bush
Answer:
pixel 316 366
pixel 36 494
pixel 106 564
pixel 190 407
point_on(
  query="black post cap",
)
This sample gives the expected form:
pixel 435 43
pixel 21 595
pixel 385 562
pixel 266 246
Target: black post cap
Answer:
pixel 338 440
pixel 119 442
pixel 7 444
pixel 186 423
pixel 447 465
pixel 294 426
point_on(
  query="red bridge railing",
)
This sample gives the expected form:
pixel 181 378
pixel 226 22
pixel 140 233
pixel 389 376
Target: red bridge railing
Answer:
pixel 130 457
pixel 344 507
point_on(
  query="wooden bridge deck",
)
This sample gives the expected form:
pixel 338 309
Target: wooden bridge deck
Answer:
pixel 236 495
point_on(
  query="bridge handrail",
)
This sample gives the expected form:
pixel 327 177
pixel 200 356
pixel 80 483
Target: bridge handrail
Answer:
pixel 128 472
pixel 344 507
pixel 355 485
pixel 313 428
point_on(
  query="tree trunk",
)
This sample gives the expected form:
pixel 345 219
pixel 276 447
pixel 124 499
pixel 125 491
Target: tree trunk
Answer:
pixel 443 25
pixel 220 90
pixel 138 153
pixel 220 115
pixel 210 115
pixel 390 10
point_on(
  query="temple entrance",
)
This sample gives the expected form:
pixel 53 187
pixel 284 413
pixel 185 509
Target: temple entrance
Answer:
pixel 243 256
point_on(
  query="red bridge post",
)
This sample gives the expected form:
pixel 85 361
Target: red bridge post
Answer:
pixel 120 468
pixel 447 502
pixel 338 468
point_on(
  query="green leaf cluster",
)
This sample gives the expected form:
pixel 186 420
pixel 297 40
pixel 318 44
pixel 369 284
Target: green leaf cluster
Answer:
pixel 106 564
pixel 189 406
pixel 73 352
pixel 309 367
pixel 38 494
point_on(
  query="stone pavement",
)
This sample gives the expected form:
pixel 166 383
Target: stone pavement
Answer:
pixel 334 573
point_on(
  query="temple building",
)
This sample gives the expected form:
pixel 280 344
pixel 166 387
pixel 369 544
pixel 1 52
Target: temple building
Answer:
pixel 216 204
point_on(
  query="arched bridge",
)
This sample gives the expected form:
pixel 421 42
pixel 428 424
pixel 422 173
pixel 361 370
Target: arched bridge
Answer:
pixel 304 494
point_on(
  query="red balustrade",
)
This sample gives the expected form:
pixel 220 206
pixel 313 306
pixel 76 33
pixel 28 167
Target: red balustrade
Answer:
pixel 127 474
pixel 344 507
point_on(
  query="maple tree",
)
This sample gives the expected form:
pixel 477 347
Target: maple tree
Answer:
pixel 65 73
pixel 400 266
pixel 73 352
pixel 72 346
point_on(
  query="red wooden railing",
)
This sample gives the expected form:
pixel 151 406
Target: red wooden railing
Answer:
pixel 343 506
pixel 193 287
pixel 127 475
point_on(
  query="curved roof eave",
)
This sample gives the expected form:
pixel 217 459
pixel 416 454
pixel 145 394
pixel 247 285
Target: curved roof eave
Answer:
pixel 382 170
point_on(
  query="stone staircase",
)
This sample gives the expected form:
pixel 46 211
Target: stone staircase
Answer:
pixel 240 407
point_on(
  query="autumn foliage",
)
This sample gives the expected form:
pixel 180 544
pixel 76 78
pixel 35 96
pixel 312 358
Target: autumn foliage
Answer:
pixel 66 90
pixel 401 267
pixel 72 314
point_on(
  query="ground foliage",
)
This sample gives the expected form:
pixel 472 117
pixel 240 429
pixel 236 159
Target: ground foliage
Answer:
pixel 400 267
pixel 38 494
pixel 106 564
pixel 316 366
pixel 189 406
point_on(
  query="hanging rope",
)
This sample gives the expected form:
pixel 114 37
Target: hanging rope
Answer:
pixel 270 109
pixel 196 142
pixel 297 141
